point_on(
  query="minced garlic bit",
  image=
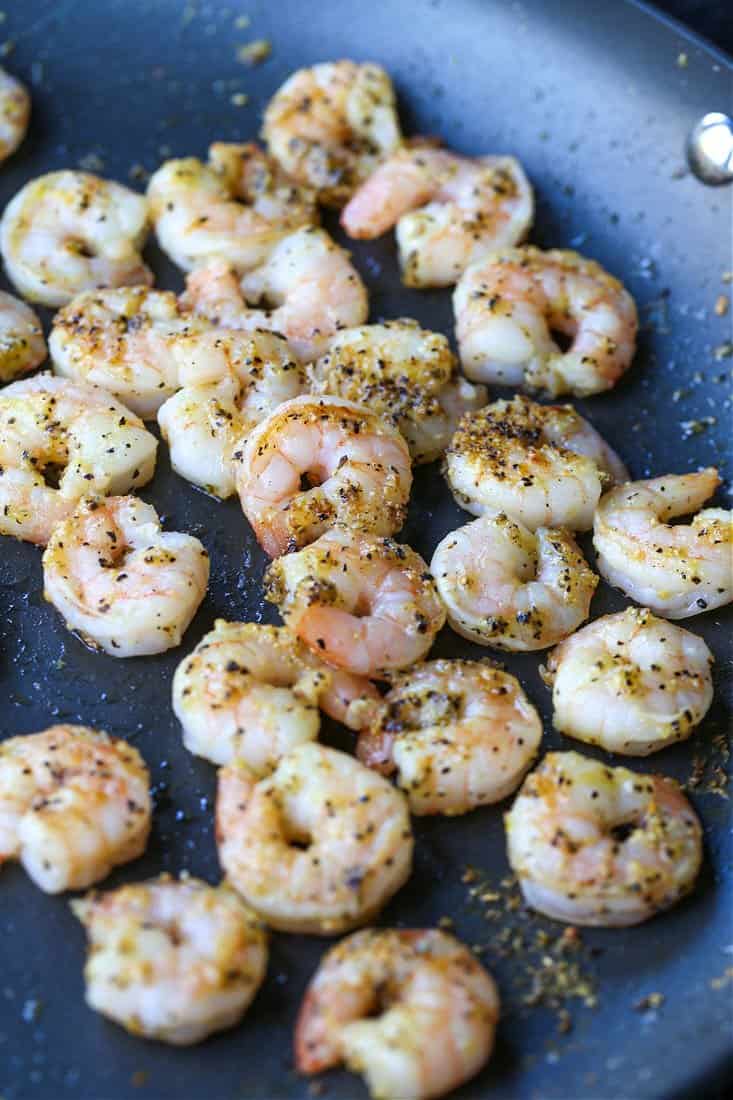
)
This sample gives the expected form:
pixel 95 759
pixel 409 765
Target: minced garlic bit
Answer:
pixel 254 53
pixel 722 302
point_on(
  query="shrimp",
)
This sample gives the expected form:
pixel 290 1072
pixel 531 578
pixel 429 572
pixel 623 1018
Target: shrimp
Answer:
pixel 15 113
pixel 404 373
pixel 60 441
pixel 234 208
pixel 355 466
pixel 678 570
pixel 228 388
pixel 22 345
pixel 71 231
pixel 74 803
pixel 319 846
pixel 329 126
pixel 507 586
pixel 365 604
pixel 544 465
pixel 450 211
pixel 307 289
pixel 251 692
pixel 121 583
pixel 413 1010
pixel 508 306
pixel 459 734
pixel 631 683
pixel 597 845
pixel 173 960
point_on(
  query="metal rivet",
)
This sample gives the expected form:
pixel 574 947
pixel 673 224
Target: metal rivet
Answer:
pixel 710 148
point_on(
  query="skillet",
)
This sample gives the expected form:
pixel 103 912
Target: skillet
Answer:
pixel 596 102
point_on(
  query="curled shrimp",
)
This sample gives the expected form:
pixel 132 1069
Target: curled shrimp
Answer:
pixel 459 734
pixel 544 465
pixel 508 306
pixel 412 1010
pixel 173 960
pixel 234 208
pixel 328 126
pixel 71 231
pixel 450 211
pixel 597 845
pixel 74 803
pixel 356 468
pixel 22 345
pixel 121 583
pixel 630 682
pixel 507 586
pixel 251 692
pixel 678 570
pixel 404 373
pixel 15 113
pixel 319 846
pixel 60 441
pixel 365 604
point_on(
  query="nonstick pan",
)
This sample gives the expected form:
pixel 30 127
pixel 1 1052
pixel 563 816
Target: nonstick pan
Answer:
pixel 596 99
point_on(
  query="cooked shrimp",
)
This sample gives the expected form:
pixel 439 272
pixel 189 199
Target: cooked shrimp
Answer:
pixel 597 845
pixel 508 306
pixel 70 231
pixel 22 346
pixel 59 441
pixel 231 381
pixel 678 570
pixel 357 467
pixel 15 112
pixel 404 373
pixel 329 126
pixel 507 586
pixel 171 960
pixel 459 734
pixel 319 846
pixel 413 1010
pixel 121 583
pixel 450 211
pixel 630 683
pixel 74 803
pixel 362 603
pixel 251 692
pixel 544 465
pixel 234 208
pixel 307 286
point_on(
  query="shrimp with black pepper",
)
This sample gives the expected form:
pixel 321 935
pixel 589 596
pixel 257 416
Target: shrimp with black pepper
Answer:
pixel 15 113
pixel 22 345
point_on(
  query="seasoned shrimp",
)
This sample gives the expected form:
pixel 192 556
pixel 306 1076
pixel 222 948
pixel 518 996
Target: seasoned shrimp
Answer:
pixel 329 126
pixel 307 287
pixel 356 464
pixel 597 845
pixel 231 381
pixel 71 231
pixel 508 306
pixel 319 846
pixel 171 960
pixel 15 113
pixel 459 734
pixel 60 441
pixel 413 1010
pixel 121 583
pixel 74 803
pixel 22 346
pixel 234 208
pixel 450 211
pixel 362 603
pixel 544 465
pixel 678 570
pixel 251 692
pixel 507 586
pixel 631 683
pixel 406 374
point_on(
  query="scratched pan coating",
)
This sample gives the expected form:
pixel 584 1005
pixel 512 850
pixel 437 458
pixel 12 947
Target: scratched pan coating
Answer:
pixel 595 104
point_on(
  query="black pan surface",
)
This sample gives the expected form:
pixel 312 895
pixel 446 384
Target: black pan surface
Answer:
pixel 596 101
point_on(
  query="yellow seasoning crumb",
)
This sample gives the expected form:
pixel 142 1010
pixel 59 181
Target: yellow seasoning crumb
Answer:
pixel 469 875
pixel 651 1001
pixel 445 922
pixel 242 22
pixel 239 99
pixel 727 277
pixel 682 60
pixel 722 303
pixel 254 53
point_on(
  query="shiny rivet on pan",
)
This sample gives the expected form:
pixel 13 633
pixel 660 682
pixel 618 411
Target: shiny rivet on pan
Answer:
pixel 710 148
